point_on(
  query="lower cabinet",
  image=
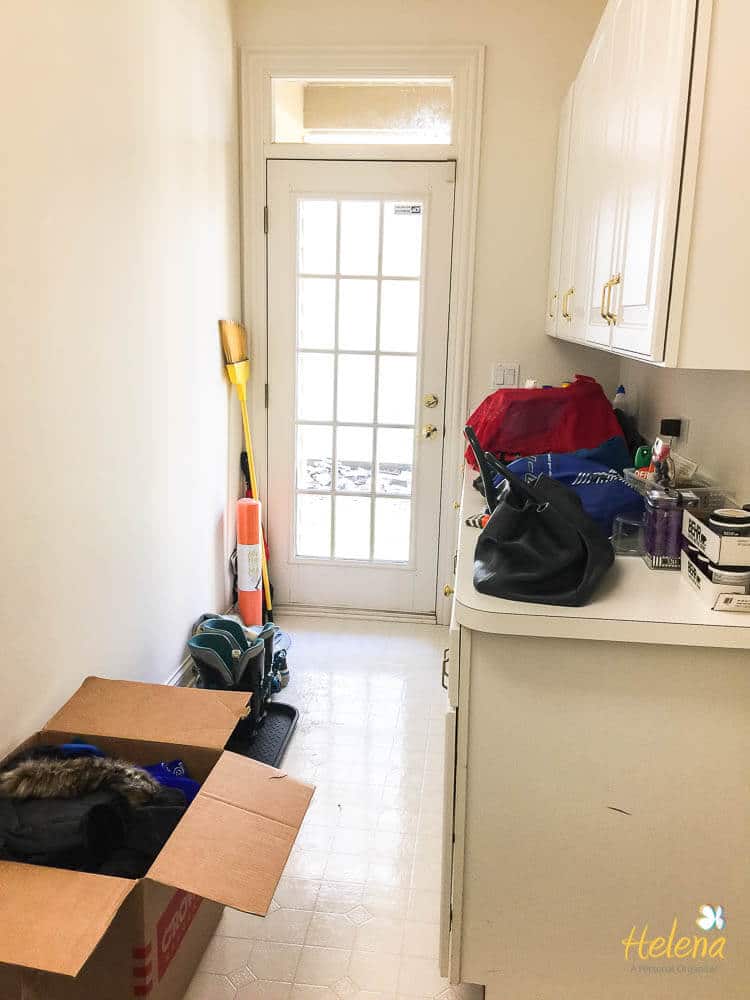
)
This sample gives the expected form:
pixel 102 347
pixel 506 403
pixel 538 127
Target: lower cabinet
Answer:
pixel 596 791
pixel 446 886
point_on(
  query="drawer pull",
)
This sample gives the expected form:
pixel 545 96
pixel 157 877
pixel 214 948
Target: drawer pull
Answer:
pixel 444 671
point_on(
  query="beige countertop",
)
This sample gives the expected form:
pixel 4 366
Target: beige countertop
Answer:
pixel 633 604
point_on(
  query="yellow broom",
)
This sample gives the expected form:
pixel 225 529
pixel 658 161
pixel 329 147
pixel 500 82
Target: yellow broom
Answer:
pixel 234 343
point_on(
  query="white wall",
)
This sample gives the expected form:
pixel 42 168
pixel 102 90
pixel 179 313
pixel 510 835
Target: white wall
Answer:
pixel 534 48
pixel 118 253
pixel 718 407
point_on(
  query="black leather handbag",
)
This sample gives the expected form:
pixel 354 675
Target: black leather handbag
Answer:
pixel 539 544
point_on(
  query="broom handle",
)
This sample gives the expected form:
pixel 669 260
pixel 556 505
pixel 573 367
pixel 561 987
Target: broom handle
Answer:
pixel 254 488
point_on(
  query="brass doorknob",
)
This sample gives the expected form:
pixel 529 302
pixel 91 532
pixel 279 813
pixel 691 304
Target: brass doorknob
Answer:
pixel 430 400
pixel 448 590
pixel 429 431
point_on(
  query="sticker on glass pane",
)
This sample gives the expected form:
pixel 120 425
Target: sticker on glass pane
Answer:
pixel 354 459
pixel 399 316
pixel 402 241
pixel 352 531
pixel 314 456
pixel 392 529
pixel 317 236
pixel 316 317
pixel 360 237
pixel 314 386
pixel 355 388
pixel 313 525
pixel 395 460
pixel 397 389
pixel 358 312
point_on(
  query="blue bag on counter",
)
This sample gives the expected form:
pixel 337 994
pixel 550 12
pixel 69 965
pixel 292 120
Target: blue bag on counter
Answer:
pixel 602 490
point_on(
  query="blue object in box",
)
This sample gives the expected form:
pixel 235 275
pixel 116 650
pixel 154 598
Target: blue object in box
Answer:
pixel 173 774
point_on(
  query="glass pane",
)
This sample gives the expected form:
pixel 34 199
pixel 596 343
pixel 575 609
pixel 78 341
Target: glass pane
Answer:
pixel 402 239
pixel 397 385
pixel 352 540
pixel 360 237
pixel 358 313
pixel 392 522
pixel 399 316
pixel 356 388
pixel 314 457
pixel 414 111
pixel 354 459
pixel 316 321
pixel 317 236
pixel 395 460
pixel 314 386
pixel 313 525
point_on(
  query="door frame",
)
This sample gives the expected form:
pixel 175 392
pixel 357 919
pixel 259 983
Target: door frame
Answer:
pixel 464 64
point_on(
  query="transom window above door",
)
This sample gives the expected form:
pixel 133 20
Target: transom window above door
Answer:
pixel 363 112
pixel 359 291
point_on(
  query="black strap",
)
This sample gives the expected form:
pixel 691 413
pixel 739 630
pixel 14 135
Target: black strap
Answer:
pixel 485 470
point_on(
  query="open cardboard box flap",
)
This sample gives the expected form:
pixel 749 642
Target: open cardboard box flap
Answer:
pixel 52 919
pixel 234 841
pixel 155 713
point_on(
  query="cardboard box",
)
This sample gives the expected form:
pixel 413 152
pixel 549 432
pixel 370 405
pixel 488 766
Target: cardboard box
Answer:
pixel 68 935
pixel 717 596
pixel 722 550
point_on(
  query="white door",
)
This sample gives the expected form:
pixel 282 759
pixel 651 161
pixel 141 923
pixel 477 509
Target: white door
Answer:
pixel 359 259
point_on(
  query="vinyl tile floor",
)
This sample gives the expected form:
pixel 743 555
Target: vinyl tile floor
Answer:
pixel 356 913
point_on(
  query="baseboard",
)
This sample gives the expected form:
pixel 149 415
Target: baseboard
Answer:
pixel 183 675
pixel 303 611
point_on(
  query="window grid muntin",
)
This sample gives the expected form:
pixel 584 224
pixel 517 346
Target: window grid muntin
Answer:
pixel 333 491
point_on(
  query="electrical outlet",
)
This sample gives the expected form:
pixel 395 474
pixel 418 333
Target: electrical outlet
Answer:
pixel 505 375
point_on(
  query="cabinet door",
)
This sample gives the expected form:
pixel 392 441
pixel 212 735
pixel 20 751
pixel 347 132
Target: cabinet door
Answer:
pixel 657 47
pixel 552 318
pixel 576 215
pixel 446 880
pixel 607 84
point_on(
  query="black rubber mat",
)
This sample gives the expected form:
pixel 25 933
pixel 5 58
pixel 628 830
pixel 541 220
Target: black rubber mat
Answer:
pixel 270 742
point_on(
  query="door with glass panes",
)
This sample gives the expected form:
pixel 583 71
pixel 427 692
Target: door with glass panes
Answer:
pixel 359 258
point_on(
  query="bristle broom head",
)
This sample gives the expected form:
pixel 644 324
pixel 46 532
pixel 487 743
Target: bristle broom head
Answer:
pixel 233 341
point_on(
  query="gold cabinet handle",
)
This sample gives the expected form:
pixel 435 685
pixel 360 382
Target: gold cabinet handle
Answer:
pixel 606 309
pixel 448 590
pixel 552 301
pixel 566 299
pixel 614 280
pixel 429 431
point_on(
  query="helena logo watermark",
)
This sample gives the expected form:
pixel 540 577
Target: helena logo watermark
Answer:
pixel 677 951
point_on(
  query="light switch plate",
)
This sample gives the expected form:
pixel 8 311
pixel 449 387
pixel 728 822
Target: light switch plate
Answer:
pixel 505 374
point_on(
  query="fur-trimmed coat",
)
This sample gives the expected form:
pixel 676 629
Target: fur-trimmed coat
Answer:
pixel 46 773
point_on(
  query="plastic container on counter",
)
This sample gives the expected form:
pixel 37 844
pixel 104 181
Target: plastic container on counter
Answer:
pixel 730 521
pixel 663 533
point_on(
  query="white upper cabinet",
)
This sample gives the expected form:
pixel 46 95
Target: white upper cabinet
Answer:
pixel 632 268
